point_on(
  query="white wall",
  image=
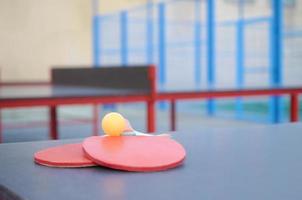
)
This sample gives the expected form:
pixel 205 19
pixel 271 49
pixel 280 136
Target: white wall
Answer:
pixel 111 6
pixel 35 35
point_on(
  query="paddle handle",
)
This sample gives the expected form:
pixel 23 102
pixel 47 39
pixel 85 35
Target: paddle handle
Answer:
pixel 137 133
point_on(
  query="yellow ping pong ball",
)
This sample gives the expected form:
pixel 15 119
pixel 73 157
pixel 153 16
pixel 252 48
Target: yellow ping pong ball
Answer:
pixel 113 124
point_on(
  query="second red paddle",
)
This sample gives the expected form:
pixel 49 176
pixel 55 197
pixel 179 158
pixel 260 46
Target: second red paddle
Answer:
pixel 69 155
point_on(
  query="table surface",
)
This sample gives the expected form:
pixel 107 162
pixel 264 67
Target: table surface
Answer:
pixel 51 91
pixel 262 162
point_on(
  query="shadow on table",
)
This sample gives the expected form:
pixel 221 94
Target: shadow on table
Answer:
pixel 6 194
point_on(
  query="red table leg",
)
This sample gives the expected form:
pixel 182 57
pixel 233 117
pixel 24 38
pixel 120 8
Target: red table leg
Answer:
pixel 294 107
pixel 150 116
pixel 53 123
pixel 95 119
pixel 173 115
pixel 1 127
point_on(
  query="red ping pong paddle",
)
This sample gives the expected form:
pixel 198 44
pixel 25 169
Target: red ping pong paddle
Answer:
pixel 134 153
pixel 69 155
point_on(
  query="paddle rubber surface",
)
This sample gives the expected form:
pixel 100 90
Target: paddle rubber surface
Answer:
pixel 69 155
pixel 134 153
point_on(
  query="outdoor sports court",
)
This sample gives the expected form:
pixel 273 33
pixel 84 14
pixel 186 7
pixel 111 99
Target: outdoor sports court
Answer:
pixel 150 99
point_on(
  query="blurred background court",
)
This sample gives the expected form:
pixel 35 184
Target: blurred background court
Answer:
pixel 179 36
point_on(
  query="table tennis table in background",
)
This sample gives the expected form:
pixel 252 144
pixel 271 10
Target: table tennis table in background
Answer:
pixel 233 163
pixel 87 85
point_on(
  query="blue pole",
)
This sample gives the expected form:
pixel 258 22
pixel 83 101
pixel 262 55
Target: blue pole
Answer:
pixel 124 37
pixel 96 38
pixel 197 45
pixel 162 43
pixel 149 32
pixel 96 33
pixel 211 52
pixel 240 57
pixel 276 57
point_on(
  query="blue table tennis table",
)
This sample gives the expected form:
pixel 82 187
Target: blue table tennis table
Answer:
pixel 262 163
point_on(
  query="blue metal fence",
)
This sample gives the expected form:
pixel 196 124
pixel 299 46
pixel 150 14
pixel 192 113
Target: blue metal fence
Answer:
pixel 193 49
